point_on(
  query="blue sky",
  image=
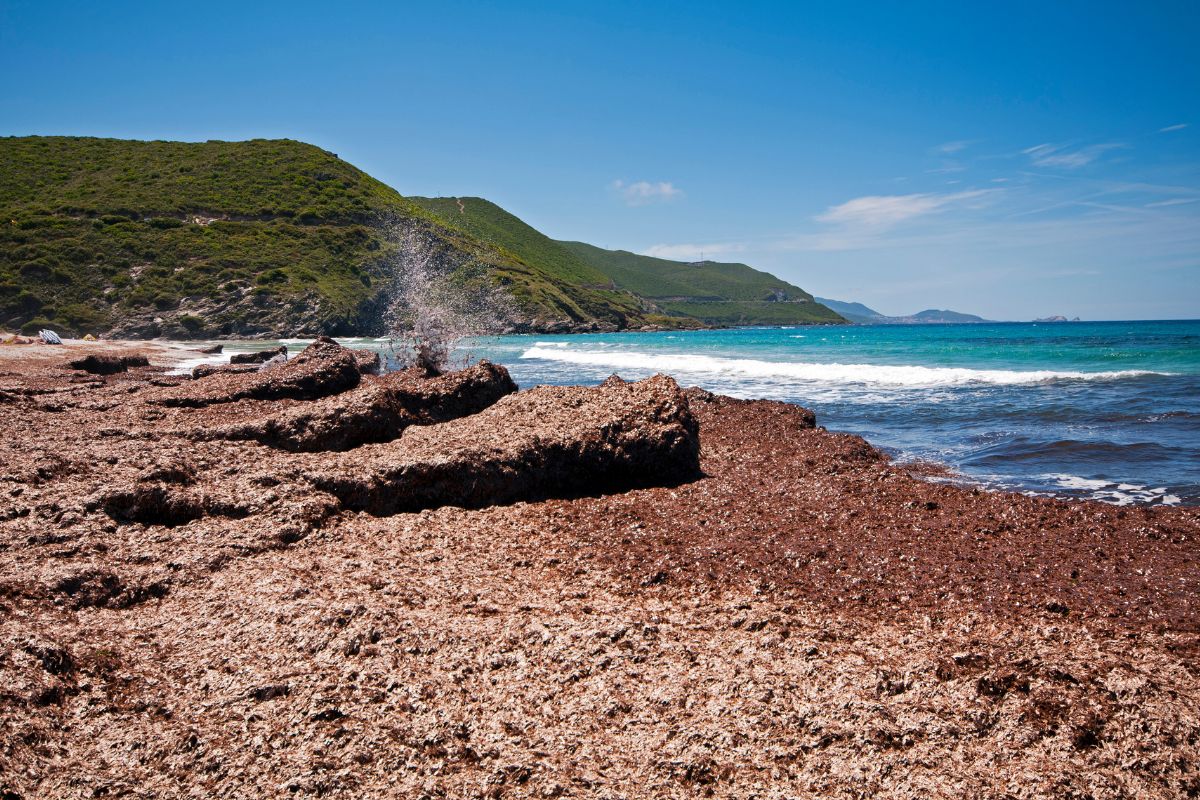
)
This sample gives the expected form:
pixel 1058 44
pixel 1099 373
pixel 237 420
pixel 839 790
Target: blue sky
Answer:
pixel 1018 160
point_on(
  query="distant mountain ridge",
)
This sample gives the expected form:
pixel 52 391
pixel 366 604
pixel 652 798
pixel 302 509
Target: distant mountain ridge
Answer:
pixel 863 315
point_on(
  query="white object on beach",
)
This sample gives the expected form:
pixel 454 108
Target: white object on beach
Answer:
pixel 49 337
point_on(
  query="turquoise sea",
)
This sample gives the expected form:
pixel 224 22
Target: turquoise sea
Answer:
pixel 1105 410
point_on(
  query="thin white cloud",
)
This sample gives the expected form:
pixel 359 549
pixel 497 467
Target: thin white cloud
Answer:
pixel 693 252
pixel 1175 201
pixel 1171 128
pixel 1053 155
pixel 642 193
pixel 1123 230
pixel 1116 187
pixel 1077 272
pixel 952 147
pixel 877 212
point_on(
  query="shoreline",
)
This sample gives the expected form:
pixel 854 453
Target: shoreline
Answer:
pixel 180 357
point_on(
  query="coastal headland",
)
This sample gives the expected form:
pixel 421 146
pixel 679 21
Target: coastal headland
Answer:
pixel 310 579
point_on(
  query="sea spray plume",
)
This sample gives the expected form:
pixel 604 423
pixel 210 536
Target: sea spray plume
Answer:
pixel 436 304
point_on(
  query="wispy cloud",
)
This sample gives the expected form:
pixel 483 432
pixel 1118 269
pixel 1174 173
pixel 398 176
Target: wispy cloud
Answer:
pixel 948 148
pixel 642 193
pixel 877 212
pixel 1119 229
pixel 1046 217
pixel 1053 155
pixel 1175 201
pixel 693 252
pixel 1170 128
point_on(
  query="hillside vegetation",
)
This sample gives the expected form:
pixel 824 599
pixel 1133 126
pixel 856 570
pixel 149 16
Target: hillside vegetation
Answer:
pixel 213 238
pixel 542 264
pixel 714 293
pixel 275 238
pixel 670 293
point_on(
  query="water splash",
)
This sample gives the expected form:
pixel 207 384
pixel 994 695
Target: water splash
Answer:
pixel 437 303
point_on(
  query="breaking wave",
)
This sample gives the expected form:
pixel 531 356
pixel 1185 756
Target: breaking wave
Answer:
pixel 880 374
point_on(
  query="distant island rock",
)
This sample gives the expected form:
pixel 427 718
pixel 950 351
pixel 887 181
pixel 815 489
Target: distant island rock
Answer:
pixel 1056 318
pixel 863 315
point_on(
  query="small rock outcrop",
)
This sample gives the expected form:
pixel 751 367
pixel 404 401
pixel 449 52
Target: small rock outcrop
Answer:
pixel 550 441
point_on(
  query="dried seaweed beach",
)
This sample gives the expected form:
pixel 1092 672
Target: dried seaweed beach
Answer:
pixel 313 580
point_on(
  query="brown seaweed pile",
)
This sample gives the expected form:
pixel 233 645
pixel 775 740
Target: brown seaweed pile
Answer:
pixel 315 581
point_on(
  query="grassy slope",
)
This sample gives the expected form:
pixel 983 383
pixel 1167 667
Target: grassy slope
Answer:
pixel 96 230
pixel 716 293
pixel 258 177
pixel 546 265
pixel 712 293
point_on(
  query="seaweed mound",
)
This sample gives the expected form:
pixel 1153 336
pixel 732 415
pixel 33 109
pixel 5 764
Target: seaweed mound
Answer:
pixel 378 410
pixel 258 357
pixel 321 369
pixel 550 441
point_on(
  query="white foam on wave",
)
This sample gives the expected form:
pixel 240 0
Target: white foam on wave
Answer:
pixel 1076 482
pixel 884 374
pixel 551 344
pixel 1121 494
pixel 1063 485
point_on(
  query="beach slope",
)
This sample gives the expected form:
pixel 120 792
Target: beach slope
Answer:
pixel 632 590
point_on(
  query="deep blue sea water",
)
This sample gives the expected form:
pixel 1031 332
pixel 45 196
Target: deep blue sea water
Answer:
pixel 1106 410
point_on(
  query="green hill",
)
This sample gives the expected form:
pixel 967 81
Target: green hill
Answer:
pixel 543 262
pixel 213 238
pixel 281 238
pixel 674 293
pixel 490 223
pixel 715 293
pixel 234 238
